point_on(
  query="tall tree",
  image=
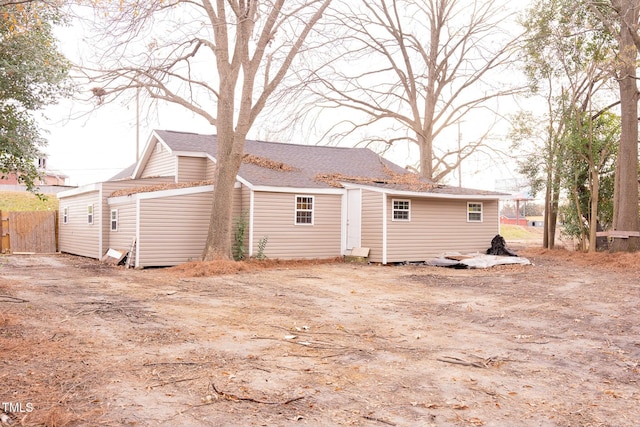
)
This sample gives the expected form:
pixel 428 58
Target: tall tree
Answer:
pixel 620 18
pixel 412 70
pixel 626 189
pixel 32 76
pixel 220 59
pixel 592 143
pixel 566 62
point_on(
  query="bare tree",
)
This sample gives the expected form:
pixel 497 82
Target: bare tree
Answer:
pixel 220 59
pixel 411 70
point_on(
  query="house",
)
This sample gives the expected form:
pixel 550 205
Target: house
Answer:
pixel 308 202
pixel 49 182
pixel 521 221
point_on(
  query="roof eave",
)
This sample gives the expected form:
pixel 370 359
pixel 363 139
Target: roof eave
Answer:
pixel 424 194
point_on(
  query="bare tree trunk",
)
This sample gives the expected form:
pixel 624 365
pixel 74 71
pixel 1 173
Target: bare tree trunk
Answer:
pixel 218 244
pixel 626 192
pixel 426 156
pixel 593 215
pixel 547 212
pixel 553 216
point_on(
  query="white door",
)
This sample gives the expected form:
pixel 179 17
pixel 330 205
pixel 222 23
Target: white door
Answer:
pixel 354 218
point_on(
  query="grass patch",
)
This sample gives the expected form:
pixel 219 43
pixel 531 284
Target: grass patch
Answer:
pixel 517 232
pixel 14 201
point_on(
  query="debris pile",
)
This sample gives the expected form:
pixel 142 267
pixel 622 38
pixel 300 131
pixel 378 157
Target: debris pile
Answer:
pixel 499 247
pixel 267 163
pixel 411 180
pixel 159 187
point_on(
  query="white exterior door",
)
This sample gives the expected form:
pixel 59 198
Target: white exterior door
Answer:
pixel 354 218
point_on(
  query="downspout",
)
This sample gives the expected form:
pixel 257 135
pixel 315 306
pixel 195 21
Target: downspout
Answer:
pixel 137 264
pixel 100 223
pixel 384 228
pixel 251 201
pixel 498 218
pixel 344 217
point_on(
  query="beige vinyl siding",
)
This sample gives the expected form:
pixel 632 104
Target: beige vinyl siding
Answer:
pixel 371 232
pixel 437 226
pixel 238 200
pixel 107 189
pixel 159 164
pixel 126 232
pixel 210 170
pixel 274 218
pixel 173 229
pixel 191 169
pixel 77 236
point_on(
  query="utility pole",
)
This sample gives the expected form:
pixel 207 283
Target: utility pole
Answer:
pixel 459 155
pixel 137 124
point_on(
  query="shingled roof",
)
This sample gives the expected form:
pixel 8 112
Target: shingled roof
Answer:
pixel 274 164
pixel 305 164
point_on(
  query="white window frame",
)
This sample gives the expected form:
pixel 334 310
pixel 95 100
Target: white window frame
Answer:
pixel 299 210
pixel 65 215
pixel 395 210
pixel 113 220
pixel 159 147
pixel 90 211
pixel 471 212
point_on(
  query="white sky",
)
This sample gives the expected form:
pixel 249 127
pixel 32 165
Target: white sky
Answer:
pixel 96 146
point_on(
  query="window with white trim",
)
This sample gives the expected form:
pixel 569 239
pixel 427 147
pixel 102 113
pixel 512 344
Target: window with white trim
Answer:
pixel 304 210
pixel 89 214
pixel 401 210
pixel 114 219
pixel 474 212
pixel 158 147
pixel 65 215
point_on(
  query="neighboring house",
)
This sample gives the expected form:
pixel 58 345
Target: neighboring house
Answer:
pixel 50 181
pixel 521 221
pixel 308 202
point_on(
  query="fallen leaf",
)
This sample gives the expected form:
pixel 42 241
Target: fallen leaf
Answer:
pixel 459 406
pixel 613 393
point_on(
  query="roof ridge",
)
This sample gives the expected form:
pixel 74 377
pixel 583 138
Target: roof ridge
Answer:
pixel 184 132
pixel 262 141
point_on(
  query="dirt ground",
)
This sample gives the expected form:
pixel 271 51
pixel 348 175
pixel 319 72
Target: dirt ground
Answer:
pixel 556 343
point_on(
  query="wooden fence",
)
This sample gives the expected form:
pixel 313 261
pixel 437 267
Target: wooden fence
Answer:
pixel 29 232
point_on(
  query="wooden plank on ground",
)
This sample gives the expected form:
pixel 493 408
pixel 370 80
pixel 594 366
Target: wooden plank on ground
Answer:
pixel 361 252
pixel 114 256
pixel 618 234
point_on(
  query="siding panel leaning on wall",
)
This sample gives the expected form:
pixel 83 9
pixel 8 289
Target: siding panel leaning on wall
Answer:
pixel 274 219
pixel 77 236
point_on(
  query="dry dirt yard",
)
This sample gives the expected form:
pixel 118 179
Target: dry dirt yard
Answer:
pixel 556 343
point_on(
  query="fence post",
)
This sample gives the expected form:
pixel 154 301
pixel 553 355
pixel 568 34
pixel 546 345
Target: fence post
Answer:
pixel 57 228
pixel 5 244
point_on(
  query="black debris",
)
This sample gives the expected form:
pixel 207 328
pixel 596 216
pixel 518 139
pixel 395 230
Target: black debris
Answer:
pixel 499 247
